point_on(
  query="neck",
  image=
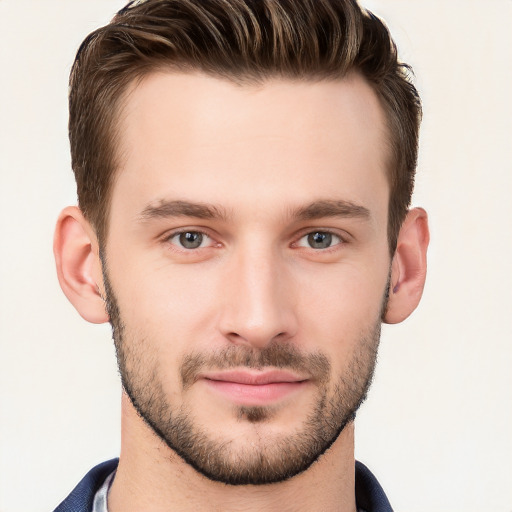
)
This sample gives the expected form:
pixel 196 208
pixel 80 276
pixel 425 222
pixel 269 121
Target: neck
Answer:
pixel 152 477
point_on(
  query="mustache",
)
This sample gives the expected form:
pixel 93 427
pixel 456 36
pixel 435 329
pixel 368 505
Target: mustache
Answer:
pixel 276 355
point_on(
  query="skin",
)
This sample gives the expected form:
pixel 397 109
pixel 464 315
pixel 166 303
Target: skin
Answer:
pixel 260 156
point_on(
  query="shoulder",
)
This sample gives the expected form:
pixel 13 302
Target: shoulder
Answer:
pixel 82 496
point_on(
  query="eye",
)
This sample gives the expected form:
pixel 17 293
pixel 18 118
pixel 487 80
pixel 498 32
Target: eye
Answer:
pixel 190 239
pixel 319 240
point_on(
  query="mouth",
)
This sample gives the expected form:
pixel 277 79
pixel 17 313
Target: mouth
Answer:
pixel 254 388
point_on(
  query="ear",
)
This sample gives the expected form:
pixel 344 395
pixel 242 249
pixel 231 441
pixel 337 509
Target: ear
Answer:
pixel 409 267
pixel 76 251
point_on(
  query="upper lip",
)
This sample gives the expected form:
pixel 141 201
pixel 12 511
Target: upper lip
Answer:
pixel 253 378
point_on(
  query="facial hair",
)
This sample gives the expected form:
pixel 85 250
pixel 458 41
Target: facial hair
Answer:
pixel 272 459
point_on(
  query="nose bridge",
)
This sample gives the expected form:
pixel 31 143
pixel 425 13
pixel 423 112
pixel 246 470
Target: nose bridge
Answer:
pixel 259 305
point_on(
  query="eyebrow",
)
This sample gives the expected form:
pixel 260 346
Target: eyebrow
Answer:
pixel 166 208
pixel 332 208
pixel 316 210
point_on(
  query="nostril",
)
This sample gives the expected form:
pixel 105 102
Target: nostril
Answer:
pixel 256 339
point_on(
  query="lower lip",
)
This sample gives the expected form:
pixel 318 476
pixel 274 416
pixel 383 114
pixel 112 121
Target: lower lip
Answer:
pixel 255 394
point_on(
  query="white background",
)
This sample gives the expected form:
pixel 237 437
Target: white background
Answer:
pixel 437 428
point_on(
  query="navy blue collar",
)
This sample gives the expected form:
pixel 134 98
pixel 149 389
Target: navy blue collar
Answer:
pixel 82 496
pixel 370 496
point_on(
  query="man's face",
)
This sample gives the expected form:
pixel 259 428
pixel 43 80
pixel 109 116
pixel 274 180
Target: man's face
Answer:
pixel 246 266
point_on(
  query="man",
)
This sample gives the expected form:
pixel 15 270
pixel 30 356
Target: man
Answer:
pixel 244 173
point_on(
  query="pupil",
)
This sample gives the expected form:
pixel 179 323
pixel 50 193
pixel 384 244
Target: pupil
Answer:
pixel 191 240
pixel 320 240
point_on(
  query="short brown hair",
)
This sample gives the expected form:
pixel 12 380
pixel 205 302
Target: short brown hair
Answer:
pixel 240 40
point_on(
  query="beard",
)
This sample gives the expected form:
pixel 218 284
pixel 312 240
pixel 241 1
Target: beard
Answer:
pixel 272 458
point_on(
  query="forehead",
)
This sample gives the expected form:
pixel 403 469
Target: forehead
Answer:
pixel 184 134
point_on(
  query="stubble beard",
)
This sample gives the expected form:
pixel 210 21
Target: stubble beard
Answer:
pixel 272 459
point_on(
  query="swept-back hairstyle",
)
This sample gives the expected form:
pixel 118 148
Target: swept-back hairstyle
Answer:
pixel 245 41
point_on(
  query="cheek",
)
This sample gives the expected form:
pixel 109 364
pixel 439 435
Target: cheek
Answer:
pixel 341 307
pixel 166 313
pixel 165 303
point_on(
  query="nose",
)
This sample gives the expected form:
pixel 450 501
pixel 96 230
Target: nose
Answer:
pixel 258 300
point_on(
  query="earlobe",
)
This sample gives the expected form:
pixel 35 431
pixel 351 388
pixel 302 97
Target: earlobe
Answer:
pixel 78 265
pixel 409 267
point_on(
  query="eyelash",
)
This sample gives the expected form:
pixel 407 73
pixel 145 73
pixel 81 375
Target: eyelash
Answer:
pixel 175 234
pixel 335 246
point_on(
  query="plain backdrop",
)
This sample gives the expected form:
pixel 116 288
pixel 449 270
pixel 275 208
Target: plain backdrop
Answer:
pixel 437 427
